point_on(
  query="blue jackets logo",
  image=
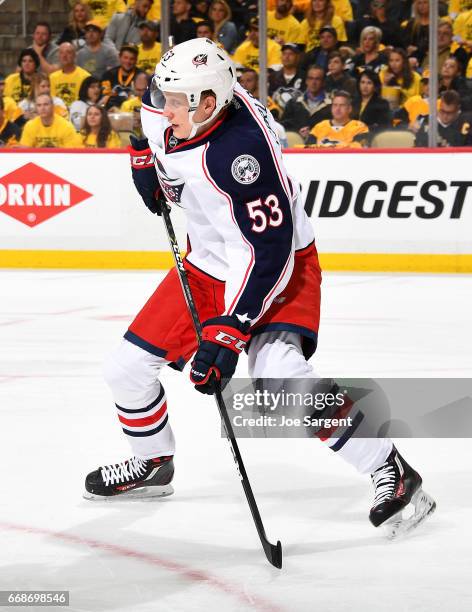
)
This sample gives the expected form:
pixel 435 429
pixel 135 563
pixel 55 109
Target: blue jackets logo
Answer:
pixel 245 169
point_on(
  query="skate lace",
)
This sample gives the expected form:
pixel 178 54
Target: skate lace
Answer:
pixel 124 471
pixel 384 483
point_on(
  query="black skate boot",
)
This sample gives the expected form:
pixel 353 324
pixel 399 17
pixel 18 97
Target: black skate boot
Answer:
pixel 136 478
pixel 396 486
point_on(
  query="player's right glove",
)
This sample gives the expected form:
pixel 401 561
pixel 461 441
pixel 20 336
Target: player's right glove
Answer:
pixel 144 175
pixel 223 339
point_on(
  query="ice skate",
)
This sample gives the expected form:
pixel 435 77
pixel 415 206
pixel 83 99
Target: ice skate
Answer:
pixel 134 478
pixel 400 504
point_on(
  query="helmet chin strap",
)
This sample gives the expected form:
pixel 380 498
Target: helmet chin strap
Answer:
pixel 196 126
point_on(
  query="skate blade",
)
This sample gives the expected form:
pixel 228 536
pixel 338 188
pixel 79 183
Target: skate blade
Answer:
pixel 398 525
pixel 141 493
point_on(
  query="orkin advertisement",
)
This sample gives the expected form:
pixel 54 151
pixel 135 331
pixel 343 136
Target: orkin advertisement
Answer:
pixel 383 210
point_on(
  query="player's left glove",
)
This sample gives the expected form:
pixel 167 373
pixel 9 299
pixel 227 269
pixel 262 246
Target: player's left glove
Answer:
pixel 223 339
pixel 144 175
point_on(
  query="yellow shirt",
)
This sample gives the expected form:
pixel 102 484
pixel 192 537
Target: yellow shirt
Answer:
pixel 113 141
pixel 12 141
pixel 130 105
pixel 459 6
pixel 414 106
pixel 338 137
pixel 11 109
pixel 14 89
pixel 103 10
pixel 299 6
pixel 154 13
pixel 147 59
pixel 248 55
pixel 66 86
pixel 310 36
pixel 286 29
pixel 463 26
pixel 60 134
pixel 343 9
pixel 413 90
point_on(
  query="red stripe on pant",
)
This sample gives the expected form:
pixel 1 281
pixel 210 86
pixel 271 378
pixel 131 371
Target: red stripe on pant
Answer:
pixel 148 420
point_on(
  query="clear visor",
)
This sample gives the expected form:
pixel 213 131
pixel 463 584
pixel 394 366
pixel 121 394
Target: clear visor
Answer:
pixel 157 97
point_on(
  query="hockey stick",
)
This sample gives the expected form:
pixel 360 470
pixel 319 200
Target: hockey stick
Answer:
pixel 273 551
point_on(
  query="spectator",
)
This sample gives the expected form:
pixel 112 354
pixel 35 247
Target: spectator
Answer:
pixel 124 27
pixel 205 29
pixel 450 78
pixel 48 130
pixel 370 57
pixel 40 84
pixel 310 107
pixel 9 131
pixel 226 33
pixel 463 27
pixel 282 25
pixel 458 6
pixel 341 131
pixel 368 106
pixel 446 48
pixel 90 93
pixel 377 17
pixel 397 11
pixel 250 81
pixel 454 127
pixel 97 131
pixel 154 13
pixel 399 82
pixel 319 55
pixel 74 32
pixel 320 13
pixel 290 77
pixel 182 26
pixel 242 12
pixel 18 84
pixel 415 31
pixel 133 103
pixel 414 107
pixel 200 10
pixel 103 11
pixel 149 51
pixel 343 9
pixel 12 112
pixel 48 52
pixel 96 57
pixel 117 83
pixel 66 82
pixel 337 77
pixel 247 54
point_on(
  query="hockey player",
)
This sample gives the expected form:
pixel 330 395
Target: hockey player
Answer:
pixel 252 267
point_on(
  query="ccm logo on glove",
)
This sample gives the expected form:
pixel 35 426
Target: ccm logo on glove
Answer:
pixel 144 160
pixel 224 337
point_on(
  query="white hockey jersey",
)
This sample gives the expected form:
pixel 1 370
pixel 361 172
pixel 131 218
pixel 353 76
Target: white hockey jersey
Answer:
pixel 245 217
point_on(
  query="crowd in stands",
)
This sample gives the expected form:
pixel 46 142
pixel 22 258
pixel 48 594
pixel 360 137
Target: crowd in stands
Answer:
pixel 340 72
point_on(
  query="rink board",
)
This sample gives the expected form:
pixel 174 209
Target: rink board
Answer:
pixel 372 210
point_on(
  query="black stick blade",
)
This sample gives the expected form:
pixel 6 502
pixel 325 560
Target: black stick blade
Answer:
pixel 273 553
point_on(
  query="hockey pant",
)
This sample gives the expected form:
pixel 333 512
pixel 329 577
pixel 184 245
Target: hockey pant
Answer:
pixel 133 376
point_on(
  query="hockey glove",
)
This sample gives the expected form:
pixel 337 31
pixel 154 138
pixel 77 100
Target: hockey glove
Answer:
pixel 223 339
pixel 145 176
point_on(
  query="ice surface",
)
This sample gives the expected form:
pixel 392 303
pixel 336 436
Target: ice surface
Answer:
pixel 198 550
